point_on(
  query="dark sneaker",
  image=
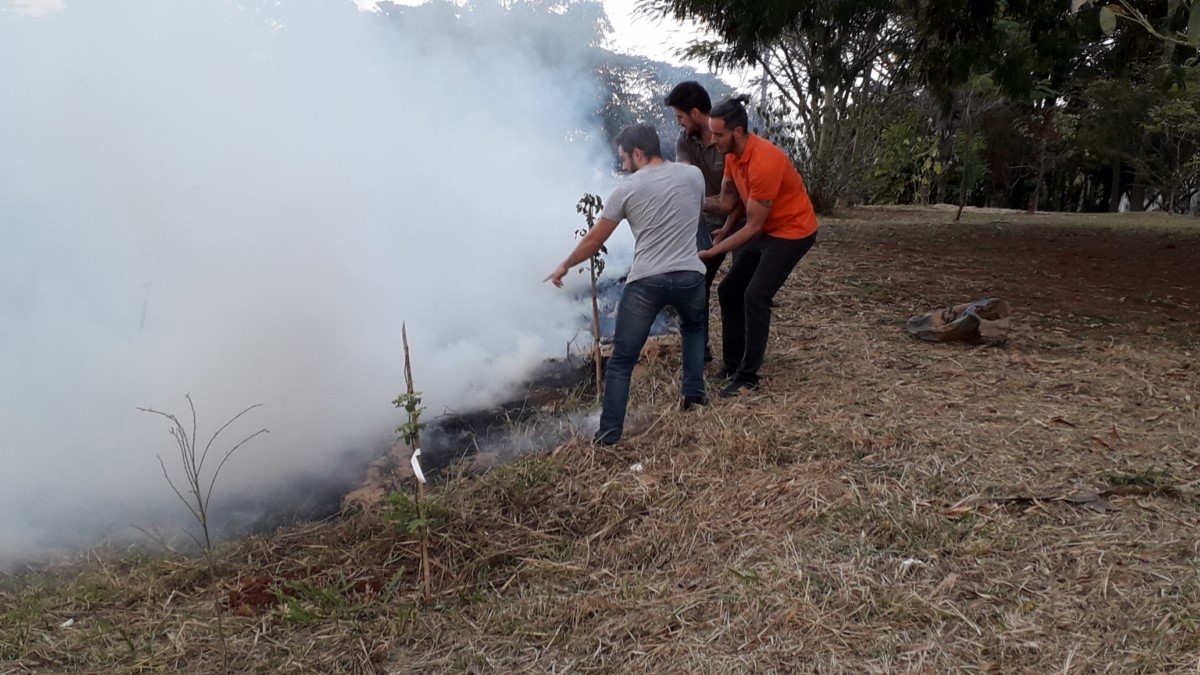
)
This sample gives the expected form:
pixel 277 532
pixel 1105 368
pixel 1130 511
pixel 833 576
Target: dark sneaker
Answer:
pixel 690 402
pixel 708 355
pixel 738 388
pixel 605 440
pixel 726 374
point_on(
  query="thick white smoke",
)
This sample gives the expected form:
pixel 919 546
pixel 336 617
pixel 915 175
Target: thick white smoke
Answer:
pixel 244 202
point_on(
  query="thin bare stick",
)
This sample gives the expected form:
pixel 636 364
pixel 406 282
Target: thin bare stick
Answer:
pixel 223 427
pixel 596 334
pixel 416 444
pixel 200 498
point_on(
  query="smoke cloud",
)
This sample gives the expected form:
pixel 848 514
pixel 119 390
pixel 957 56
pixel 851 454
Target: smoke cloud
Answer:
pixel 243 202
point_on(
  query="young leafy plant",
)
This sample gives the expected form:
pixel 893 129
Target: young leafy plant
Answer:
pixel 590 206
pixel 410 431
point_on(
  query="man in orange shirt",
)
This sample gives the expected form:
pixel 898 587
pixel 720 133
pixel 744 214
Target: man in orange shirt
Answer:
pixel 780 228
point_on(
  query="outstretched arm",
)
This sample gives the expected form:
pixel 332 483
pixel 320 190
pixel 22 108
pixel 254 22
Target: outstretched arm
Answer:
pixel 588 247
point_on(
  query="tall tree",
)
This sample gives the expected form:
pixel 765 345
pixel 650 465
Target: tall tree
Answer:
pixel 825 81
pixel 1170 160
pixel 1073 125
pixel 950 39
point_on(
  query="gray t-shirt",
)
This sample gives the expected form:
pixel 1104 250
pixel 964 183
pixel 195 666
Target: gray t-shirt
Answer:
pixel 662 203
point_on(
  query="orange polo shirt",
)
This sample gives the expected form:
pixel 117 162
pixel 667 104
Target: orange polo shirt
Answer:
pixel 766 173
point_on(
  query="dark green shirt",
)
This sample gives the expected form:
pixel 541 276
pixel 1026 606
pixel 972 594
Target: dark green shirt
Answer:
pixel 711 163
pixel 708 159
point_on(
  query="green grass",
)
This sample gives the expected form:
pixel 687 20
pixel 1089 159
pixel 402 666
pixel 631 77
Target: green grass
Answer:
pixel 308 602
pixel 1186 335
pixel 1152 477
pixel 917 216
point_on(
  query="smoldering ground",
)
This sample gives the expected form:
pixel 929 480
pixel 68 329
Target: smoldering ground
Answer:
pixel 243 202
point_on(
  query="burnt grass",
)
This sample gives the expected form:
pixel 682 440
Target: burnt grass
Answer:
pixel 881 505
pixel 480 438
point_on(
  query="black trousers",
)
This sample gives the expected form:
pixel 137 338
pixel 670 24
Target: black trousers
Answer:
pixel 711 267
pixel 704 241
pixel 747 294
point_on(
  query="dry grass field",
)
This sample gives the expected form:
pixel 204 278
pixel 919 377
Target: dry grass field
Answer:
pixel 882 505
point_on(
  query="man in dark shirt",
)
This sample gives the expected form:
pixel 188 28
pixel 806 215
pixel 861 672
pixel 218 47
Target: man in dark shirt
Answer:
pixel 691 104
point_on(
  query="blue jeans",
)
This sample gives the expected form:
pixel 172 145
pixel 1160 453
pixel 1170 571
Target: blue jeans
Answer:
pixel 641 302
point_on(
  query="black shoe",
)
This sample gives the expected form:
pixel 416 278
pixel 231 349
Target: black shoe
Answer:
pixel 690 402
pixel 708 355
pixel 605 440
pixel 726 374
pixel 738 388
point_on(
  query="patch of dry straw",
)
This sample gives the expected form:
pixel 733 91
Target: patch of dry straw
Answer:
pixel 881 505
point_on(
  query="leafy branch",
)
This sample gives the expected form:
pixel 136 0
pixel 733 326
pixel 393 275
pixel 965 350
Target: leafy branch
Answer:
pixel 410 431
pixel 590 206
pixel 1124 9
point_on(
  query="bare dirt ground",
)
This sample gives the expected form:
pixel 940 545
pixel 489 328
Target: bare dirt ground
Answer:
pixel 883 505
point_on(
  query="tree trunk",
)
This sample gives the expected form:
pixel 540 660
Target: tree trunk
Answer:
pixel 945 155
pixel 828 119
pixel 945 132
pixel 1114 197
pixel 962 191
pixel 1137 196
pixel 1041 178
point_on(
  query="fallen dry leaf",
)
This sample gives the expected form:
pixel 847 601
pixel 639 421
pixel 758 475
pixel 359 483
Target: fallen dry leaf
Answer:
pixel 947 584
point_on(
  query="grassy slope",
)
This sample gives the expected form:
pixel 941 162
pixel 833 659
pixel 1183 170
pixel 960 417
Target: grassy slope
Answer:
pixel 819 527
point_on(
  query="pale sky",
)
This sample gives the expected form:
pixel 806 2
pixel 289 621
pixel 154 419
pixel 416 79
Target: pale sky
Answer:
pixel 32 7
pixel 656 39
pixel 631 34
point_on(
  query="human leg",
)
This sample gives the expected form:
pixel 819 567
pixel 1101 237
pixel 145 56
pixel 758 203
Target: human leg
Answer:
pixel 641 302
pixel 704 242
pixel 711 267
pixel 687 297
pixel 779 258
pixel 731 294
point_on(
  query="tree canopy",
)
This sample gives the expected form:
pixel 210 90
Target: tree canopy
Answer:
pixel 1025 103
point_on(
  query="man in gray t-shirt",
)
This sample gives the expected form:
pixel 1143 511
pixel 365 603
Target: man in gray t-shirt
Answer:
pixel 661 200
